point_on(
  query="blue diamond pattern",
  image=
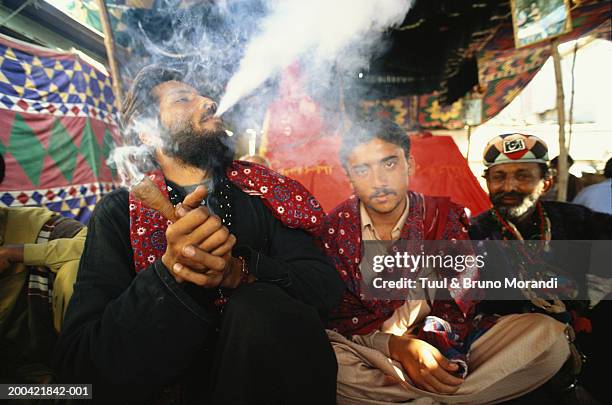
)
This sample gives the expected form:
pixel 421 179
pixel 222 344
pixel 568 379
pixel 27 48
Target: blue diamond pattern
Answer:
pixel 7 199
pixel 7 101
pixel 36 196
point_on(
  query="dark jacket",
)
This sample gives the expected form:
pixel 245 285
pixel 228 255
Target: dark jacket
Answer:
pixel 134 332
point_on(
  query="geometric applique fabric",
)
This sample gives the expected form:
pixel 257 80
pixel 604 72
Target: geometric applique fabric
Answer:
pixel 505 70
pixel 38 80
pixel 58 124
pixel 75 201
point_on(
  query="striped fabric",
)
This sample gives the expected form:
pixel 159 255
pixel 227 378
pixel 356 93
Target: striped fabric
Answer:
pixel 40 278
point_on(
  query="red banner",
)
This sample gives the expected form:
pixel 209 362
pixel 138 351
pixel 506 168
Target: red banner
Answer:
pixel 441 170
pixel 297 146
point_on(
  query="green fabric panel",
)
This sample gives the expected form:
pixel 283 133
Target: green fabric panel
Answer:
pixel 26 149
pixel 62 150
pixel 90 149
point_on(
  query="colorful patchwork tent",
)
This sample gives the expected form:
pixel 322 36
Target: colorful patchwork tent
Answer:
pixel 503 71
pixel 57 127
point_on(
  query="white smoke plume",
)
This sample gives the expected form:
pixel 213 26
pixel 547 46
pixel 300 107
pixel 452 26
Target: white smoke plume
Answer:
pixel 131 163
pixel 241 46
pixel 331 33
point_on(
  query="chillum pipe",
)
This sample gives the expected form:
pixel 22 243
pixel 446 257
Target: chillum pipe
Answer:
pixel 147 192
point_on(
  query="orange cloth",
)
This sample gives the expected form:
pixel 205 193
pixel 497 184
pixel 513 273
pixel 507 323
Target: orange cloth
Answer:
pixel 441 170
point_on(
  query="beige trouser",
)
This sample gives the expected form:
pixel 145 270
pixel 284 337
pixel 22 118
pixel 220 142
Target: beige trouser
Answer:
pixel 517 355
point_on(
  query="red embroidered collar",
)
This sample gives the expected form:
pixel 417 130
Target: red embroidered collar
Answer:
pixel 429 218
pixel 288 200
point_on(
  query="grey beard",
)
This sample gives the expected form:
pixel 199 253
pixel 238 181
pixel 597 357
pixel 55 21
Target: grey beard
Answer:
pixel 517 212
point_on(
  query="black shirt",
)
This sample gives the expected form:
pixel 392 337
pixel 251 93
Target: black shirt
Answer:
pixel 568 222
pixel 137 330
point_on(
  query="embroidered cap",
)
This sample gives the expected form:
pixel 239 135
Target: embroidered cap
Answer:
pixel 515 148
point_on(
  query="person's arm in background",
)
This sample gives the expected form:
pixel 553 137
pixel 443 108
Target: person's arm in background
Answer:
pixel 65 245
pixel 61 254
pixel 9 255
pixel 55 253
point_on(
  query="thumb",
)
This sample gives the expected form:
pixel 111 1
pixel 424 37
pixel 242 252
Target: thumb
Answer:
pixel 195 198
pixel 445 363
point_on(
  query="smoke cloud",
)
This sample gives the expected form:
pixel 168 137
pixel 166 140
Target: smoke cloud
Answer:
pixel 331 33
pixel 234 51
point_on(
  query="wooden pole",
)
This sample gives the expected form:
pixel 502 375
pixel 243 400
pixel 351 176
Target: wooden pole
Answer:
pixel 110 53
pixel 562 169
pixel 469 142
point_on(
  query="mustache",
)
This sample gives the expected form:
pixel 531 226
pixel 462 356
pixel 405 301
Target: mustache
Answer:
pixel 381 192
pixel 496 198
pixel 209 112
pixel 206 116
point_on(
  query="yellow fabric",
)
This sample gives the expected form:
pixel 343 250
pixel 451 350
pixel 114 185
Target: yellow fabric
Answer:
pixel 19 225
pixel 22 225
pixel 55 253
pixel 63 287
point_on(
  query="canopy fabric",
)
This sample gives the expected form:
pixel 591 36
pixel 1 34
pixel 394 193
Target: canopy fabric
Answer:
pixel 503 71
pixel 58 125
pixel 418 112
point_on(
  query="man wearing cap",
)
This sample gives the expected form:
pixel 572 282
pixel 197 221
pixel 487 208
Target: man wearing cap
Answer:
pixel 518 175
pixel 384 347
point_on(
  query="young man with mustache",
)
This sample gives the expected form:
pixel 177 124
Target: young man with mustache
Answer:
pixel 517 176
pixel 384 350
pixel 222 306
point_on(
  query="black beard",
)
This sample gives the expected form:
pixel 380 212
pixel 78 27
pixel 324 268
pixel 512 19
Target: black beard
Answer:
pixel 515 212
pixel 205 150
